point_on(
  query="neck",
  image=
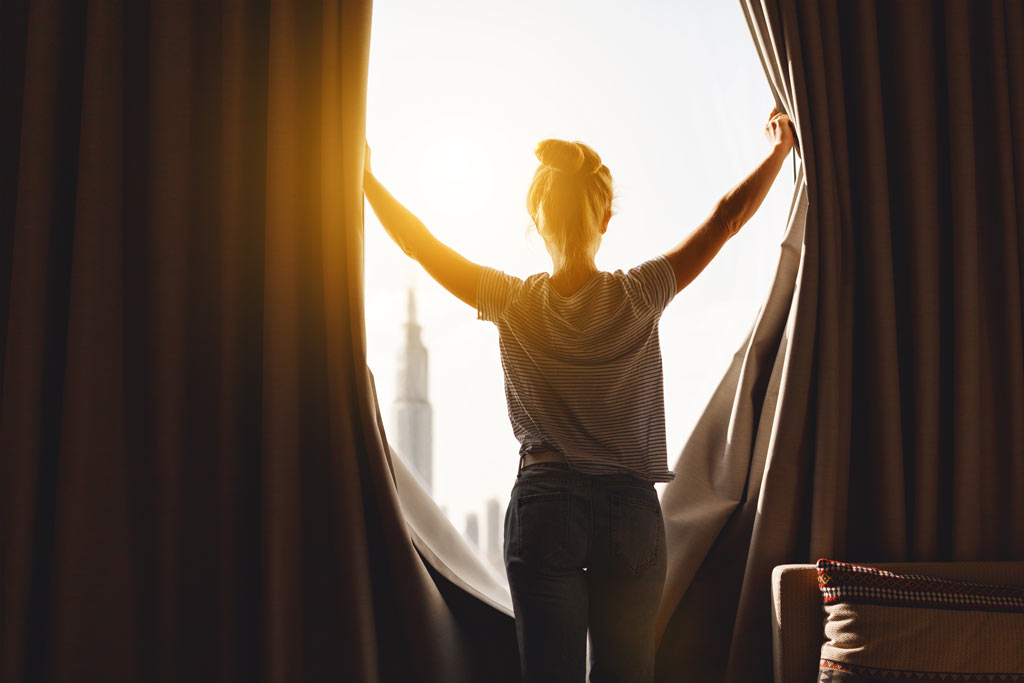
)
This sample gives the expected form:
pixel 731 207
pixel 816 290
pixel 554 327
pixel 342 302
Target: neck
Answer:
pixel 573 274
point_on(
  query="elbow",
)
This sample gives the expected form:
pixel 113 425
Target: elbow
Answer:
pixel 403 242
pixel 725 219
pixel 410 252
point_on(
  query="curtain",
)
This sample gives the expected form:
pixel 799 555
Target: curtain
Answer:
pixel 875 411
pixel 194 483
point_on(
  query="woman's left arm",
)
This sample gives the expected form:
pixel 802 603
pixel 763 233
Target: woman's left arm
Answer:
pixel 453 271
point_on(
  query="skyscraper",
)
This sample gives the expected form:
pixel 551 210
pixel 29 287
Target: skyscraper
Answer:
pixel 473 529
pixel 413 417
pixel 495 534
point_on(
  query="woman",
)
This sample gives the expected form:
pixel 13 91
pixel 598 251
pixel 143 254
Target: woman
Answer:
pixel 584 535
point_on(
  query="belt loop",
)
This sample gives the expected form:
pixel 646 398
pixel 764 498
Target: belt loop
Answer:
pixel 521 456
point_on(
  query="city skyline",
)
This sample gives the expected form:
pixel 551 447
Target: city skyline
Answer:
pixel 412 425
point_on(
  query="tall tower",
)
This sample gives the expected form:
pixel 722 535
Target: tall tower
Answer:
pixel 473 529
pixel 412 412
pixel 495 534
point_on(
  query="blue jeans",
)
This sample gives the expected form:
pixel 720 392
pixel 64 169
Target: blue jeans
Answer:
pixel 584 551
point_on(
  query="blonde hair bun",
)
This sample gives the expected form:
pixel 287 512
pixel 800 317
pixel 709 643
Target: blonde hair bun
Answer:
pixel 569 199
pixel 573 158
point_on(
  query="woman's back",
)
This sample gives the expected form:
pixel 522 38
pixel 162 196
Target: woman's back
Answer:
pixel 583 372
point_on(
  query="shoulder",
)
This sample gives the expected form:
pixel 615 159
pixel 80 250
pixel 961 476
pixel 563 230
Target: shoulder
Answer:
pixel 497 291
pixel 652 282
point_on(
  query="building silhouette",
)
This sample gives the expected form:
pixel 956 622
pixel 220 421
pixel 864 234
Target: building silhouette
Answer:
pixel 472 529
pixel 413 417
pixel 495 534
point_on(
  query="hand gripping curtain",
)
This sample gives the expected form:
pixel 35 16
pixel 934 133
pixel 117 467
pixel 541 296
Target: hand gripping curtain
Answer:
pixel 194 484
pixel 875 411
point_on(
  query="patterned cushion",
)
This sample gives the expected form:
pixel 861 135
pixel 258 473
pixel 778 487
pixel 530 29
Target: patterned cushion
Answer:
pixel 882 626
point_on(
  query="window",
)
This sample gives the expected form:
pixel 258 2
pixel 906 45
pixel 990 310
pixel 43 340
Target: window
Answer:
pixel 673 97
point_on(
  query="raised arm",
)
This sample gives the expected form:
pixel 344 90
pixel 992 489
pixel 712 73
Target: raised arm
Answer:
pixel 452 271
pixel 734 209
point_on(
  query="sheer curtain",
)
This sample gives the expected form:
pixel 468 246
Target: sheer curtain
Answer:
pixel 875 412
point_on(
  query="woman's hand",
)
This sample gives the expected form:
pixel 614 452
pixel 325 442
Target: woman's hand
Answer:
pixel 780 130
pixel 366 161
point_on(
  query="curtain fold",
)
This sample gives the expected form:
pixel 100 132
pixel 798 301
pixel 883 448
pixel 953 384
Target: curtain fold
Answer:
pixel 443 547
pixel 880 419
pixel 194 483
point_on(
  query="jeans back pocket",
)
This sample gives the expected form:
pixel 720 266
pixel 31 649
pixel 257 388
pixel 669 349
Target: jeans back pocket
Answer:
pixel 540 527
pixel 636 531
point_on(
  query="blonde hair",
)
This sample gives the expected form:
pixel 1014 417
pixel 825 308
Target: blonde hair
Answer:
pixel 568 199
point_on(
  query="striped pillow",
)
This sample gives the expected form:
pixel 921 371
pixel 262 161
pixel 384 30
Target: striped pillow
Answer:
pixel 881 626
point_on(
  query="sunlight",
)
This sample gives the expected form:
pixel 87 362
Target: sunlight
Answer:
pixel 456 176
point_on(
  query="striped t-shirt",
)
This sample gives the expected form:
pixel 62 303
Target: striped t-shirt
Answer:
pixel 583 373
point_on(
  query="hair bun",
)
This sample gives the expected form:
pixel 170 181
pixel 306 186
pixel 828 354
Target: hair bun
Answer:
pixel 573 158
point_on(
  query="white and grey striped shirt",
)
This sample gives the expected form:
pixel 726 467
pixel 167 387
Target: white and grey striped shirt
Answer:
pixel 583 373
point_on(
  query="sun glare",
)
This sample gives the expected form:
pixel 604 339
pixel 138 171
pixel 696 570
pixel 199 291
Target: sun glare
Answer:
pixel 456 177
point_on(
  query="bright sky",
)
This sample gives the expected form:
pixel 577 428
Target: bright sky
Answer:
pixel 670 94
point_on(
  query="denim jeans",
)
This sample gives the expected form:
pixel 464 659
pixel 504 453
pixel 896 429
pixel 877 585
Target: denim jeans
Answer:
pixel 584 551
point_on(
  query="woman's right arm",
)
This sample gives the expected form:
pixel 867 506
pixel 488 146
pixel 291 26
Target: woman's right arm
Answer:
pixel 734 209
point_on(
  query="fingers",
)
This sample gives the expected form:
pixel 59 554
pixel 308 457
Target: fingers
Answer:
pixel 779 120
pixel 780 128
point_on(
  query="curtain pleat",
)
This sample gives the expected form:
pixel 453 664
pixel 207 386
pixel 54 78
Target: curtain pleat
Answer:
pixel 889 424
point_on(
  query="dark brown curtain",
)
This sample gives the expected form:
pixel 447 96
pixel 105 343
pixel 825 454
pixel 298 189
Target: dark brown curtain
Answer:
pixel 877 410
pixel 194 484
